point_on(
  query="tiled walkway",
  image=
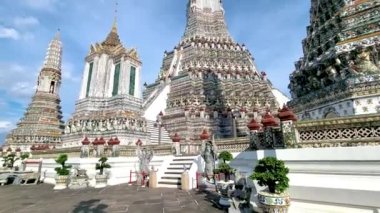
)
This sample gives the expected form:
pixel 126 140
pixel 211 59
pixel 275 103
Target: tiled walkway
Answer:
pixel 122 198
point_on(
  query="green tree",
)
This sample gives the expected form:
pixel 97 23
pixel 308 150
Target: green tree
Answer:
pixel 24 156
pixel 272 172
pixel 225 156
pixel 102 165
pixel 63 169
pixel 10 160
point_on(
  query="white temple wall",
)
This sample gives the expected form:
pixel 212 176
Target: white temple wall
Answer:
pixel 326 179
pixel 82 94
pixel 138 92
pixel 159 104
pixel 367 105
pixel 119 173
pixel 108 81
pixel 95 62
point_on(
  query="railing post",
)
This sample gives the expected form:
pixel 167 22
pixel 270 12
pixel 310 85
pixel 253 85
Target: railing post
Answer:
pixel 130 177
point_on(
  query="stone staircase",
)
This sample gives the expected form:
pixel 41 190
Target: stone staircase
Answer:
pixel 153 129
pixel 172 174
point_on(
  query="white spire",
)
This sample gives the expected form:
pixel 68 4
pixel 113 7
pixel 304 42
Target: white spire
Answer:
pixel 214 5
pixel 206 18
pixel 53 57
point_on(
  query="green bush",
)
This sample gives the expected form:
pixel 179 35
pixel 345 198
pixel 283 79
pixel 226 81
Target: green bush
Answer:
pixel 10 160
pixel 225 156
pixel 63 169
pixel 102 165
pixel 225 168
pixel 272 172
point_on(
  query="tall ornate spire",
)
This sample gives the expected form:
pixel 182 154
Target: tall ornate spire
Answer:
pixel 42 122
pixel 206 18
pixel 113 37
pixel 53 57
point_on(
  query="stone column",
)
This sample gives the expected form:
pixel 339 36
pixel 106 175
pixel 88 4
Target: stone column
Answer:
pixel 153 179
pixel 289 133
pixel 185 181
pixel 18 153
pixel 176 140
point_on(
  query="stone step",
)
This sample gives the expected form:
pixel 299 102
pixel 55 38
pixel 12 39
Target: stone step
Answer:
pixel 183 159
pixel 175 168
pixel 170 183
pixel 171 177
pixel 173 173
pixel 173 164
pixel 172 186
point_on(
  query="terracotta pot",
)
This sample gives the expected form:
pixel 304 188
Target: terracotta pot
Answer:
pixel 273 202
pixel 61 182
pixel 101 180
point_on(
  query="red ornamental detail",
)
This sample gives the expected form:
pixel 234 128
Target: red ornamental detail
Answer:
pixel 204 135
pixel 286 114
pixel 33 147
pixel 116 141
pixel 139 142
pixel 176 138
pixel 101 141
pixel 243 109
pixel 269 120
pixel 110 142
pixel 18 149
pixel 96 142
pixel 86 141
pixel 161 113
pixel 254 125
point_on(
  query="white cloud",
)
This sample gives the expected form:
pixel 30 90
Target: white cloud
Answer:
pixel 5 125
pixel 68 72
pixel 9 33
pixel 17 80
pixel 26 22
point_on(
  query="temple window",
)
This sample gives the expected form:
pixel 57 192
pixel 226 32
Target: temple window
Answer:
pixel 89 78
pixel 132 81
pixel 52 87
pixel 116 77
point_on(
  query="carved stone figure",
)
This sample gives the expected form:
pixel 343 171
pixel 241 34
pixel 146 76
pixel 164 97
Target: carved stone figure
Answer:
pixel 364 63
pixel 145 156
pixel 209 155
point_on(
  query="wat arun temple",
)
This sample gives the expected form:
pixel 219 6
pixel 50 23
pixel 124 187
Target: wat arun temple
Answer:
pixel 208 83
pixel 209 96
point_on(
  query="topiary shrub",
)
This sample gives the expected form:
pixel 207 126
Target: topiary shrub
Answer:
pixel 272 172
pixel 10 160
pixel 102 165
pixel 64 169
pixel 225 156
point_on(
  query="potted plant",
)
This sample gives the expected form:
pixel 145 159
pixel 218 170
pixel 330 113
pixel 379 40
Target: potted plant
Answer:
pixel 10 160
pixel 62 172
pixel 272 173
pixel 101 179
pixel 23 157
pixel 225 156
pixel 224 167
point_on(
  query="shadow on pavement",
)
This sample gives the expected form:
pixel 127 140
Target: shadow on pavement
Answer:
pixel 90 206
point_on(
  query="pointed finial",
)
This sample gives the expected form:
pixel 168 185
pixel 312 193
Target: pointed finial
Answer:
pixel 58 34
pixel 114 25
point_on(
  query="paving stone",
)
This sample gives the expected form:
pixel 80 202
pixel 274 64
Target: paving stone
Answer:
pixel 122 198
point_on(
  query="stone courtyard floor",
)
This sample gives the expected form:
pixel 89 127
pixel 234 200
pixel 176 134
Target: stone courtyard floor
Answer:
pixel 121 198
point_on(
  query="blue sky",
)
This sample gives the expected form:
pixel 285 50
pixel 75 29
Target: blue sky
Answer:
pixel 271 29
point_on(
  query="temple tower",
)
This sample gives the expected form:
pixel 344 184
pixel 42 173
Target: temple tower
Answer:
pixel 339 74
pixel 109 104
pixel 208 81
pixel 42 122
